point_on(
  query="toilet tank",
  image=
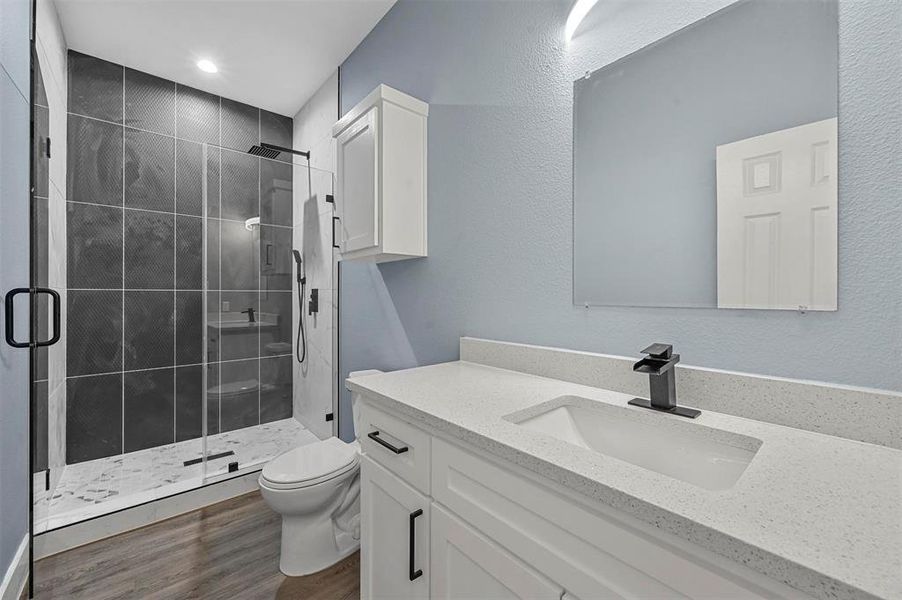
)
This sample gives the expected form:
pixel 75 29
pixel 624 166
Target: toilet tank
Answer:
pixel 355 408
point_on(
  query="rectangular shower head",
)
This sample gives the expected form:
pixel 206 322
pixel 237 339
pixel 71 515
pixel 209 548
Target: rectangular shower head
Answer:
pixel 264 152
pixel 271 151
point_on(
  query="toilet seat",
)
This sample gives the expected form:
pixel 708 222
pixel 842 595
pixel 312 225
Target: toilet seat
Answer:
pixel 309 465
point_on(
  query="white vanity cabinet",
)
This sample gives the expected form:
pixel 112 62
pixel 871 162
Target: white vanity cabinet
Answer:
pixel 490 529
pixel 466 564
pixel 381 178
pixel 395 519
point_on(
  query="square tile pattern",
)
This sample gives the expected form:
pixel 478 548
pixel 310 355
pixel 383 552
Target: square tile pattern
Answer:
pixel 135 263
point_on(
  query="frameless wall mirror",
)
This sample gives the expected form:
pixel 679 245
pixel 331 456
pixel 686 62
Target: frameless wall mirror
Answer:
pixel 705 165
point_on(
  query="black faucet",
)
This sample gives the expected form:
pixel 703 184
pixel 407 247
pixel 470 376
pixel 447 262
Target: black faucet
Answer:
pixel 250 314
pixel 659 364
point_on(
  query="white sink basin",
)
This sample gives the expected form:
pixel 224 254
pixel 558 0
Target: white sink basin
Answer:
pixel 703 456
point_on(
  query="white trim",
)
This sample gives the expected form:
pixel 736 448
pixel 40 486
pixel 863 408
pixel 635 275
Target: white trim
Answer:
pixel 16 575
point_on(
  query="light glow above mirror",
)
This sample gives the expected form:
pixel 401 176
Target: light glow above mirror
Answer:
pixel 578 12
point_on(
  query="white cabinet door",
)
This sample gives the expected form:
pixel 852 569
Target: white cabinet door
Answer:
pixel 394 549
pixel 358 185
pixel 465 565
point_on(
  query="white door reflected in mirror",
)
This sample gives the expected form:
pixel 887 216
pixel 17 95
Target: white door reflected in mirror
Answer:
pixel 777 220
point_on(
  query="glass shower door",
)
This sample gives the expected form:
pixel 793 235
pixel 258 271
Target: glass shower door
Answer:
pixel 259 214
pixel 15 96
pixel 48 272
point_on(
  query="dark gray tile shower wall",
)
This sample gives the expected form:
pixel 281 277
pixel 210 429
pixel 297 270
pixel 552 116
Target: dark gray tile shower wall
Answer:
pixel 149 102
pixel 135 253
pixel 149 173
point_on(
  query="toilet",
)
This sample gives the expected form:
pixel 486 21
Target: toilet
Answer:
pixel 316 489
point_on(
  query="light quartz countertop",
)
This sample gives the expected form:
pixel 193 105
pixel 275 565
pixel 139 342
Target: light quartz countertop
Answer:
pixel 820 513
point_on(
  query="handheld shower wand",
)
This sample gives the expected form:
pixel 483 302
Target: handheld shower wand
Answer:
pixel 301 345
pixel 299 263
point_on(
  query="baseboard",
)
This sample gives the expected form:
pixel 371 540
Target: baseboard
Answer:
pixel 16 576
pixel 98 528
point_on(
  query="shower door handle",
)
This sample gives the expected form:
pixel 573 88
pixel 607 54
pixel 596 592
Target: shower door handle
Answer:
pixel 9 306
pixel 55 297
pixel 10 310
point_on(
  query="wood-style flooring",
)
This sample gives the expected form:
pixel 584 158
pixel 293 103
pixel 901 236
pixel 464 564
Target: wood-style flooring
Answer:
pixel 228 550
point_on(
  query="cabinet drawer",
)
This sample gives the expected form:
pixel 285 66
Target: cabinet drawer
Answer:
pixel 396 445
pixel 590 553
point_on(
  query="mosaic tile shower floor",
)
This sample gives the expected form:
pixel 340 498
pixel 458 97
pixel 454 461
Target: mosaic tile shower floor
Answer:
pixel 98 487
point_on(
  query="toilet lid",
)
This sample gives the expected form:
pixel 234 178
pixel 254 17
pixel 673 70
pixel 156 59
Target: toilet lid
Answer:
pixel 316 461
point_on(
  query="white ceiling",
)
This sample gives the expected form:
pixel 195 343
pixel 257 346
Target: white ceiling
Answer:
pixel 271 53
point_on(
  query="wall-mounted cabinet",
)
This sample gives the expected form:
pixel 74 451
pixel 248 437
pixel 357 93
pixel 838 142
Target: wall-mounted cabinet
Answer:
pixel 381 181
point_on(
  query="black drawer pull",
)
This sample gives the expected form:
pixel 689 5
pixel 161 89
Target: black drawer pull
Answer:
pixel 334 245
pixel 374 435
pixel 414 573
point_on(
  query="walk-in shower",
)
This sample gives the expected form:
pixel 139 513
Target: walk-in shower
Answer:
pixel 172 248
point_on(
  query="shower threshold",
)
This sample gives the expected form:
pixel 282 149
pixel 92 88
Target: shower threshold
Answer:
pixel 97 487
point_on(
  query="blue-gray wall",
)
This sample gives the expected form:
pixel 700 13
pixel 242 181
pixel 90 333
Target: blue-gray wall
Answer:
pixel 499 79
pixel 15 98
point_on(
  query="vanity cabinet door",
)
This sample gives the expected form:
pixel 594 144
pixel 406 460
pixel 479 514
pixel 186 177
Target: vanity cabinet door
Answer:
pixel 394 549
pixel 466 565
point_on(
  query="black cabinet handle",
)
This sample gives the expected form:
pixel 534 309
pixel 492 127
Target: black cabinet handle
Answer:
pixel 374 435
pixel 9 307
pixel 414 573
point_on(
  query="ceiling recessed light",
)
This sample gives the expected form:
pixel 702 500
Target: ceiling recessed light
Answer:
pixel 206 66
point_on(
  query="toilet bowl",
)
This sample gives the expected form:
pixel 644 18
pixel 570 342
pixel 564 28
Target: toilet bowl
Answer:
pixel 316 489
